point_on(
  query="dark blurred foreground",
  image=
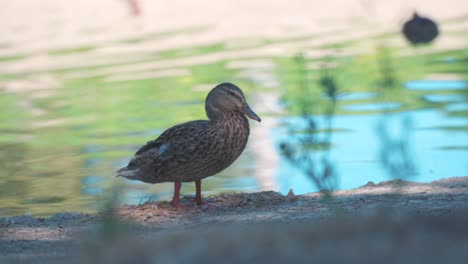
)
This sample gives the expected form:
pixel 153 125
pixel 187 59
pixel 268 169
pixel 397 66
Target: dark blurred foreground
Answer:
pixel 390 222
pixel 376 239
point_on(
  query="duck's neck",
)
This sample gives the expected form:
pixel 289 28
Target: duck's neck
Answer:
pixel 230 120
pixel 231 131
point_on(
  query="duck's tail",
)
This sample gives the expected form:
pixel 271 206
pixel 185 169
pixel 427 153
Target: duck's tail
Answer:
pixel 127 173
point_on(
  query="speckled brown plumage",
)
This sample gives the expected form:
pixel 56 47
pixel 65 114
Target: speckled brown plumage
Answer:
pixel 197 149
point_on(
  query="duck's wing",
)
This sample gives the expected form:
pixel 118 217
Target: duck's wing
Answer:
pixel 176 141
pixel 175 135
pixel 148 146
pixel 176 144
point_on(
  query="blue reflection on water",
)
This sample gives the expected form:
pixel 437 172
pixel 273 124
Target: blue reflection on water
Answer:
pixel 356 96
pixel 449 59
pixel 441 98
pixel 436 85
pixel 457 107
pixel 356 150
pixel 372 106
pixel 90 185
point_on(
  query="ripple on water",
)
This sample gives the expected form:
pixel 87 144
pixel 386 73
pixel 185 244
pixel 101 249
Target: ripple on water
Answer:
pixel 457 107
pixel 356 96
pixel 425 85
pixel 443 98
pixel 372 106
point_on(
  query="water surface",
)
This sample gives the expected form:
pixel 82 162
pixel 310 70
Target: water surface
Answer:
pixel 72 117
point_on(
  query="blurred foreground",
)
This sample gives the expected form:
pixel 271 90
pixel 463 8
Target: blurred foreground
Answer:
pixel 389 222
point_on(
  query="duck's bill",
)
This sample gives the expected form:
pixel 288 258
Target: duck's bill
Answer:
pixel 251 114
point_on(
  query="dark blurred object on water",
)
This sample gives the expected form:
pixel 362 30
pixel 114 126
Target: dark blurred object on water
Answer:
pixel 420 30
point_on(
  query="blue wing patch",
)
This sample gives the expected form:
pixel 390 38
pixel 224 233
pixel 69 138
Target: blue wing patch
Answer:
pixel 163 148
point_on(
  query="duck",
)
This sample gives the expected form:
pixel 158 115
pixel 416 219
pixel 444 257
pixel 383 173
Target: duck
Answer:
pixel 420 30
pixel 195 150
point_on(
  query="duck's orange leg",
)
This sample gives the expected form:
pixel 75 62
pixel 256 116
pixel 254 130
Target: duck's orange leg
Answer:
pixel 176 197
pixel 198 198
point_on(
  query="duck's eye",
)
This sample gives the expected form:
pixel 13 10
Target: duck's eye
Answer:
pixel 231 93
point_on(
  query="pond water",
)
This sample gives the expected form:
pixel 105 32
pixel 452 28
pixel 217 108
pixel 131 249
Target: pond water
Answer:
pixel 72 117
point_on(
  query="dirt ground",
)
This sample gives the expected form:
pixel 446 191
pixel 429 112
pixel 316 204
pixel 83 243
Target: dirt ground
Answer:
pixel 394 218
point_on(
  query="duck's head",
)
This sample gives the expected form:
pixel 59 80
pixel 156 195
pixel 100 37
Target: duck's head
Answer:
pixel 227 98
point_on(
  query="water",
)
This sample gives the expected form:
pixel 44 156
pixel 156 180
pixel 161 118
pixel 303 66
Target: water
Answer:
pixel 438 153
pixel 71 117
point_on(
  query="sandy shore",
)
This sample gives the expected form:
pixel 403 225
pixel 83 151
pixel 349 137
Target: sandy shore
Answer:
pixel 399 205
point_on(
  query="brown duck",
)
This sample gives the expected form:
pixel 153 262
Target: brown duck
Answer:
pixel 197 149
